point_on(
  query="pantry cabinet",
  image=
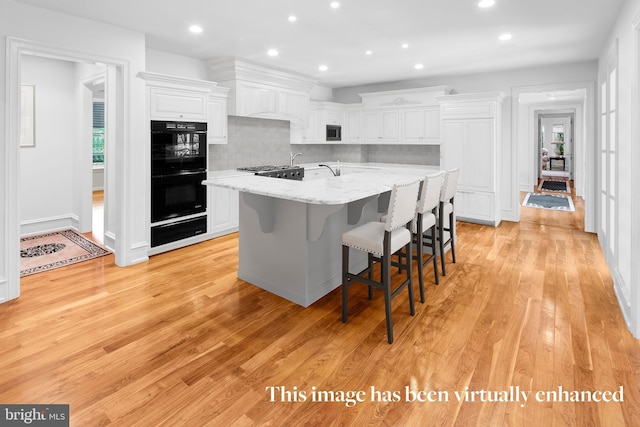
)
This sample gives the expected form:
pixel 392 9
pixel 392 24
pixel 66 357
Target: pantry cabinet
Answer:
pixel 470 131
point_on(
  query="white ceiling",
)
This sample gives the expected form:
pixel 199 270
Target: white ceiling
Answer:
pixel 447 36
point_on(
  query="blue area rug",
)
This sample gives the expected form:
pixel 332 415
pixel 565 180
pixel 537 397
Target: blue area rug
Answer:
pixel 549 201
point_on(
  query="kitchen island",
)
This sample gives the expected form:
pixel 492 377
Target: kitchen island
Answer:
pixel 290 231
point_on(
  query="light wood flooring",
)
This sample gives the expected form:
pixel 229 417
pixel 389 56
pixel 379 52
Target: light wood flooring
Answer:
pixel 180 341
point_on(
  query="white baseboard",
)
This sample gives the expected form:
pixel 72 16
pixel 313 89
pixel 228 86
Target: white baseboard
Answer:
pixel 48 225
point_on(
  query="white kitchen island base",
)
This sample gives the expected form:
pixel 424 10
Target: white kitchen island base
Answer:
pixel 293 249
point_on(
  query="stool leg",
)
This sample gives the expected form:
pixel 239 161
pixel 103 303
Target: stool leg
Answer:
pixel 370 264
pixel 386 284
pixel 441 237
pixel 451 232
pixel 412 306
pixel 435 258
pixel 420 250
pixel 345 282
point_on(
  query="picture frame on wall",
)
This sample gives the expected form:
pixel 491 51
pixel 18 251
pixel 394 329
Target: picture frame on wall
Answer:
pixel 27 115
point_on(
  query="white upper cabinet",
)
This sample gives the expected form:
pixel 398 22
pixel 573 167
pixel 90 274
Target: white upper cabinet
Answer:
pixel 381 126
pixel 310 133
pixel 352 128
pixel 218 118
pixel 420 125
pixel 409 116
pixel 178 98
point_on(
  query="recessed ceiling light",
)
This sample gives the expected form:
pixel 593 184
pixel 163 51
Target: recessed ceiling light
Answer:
pixel 195 29
pixel 418 66
pixel 369 52
pixel 486 3
pixel 292 18
pixel 272 52
pixel 505 37
pixel 334 4
pixel 323 68
pixel 405 45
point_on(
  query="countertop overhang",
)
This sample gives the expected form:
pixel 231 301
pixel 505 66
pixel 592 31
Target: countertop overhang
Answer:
pixel 357 181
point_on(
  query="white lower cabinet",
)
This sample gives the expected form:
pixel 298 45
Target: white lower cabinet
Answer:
pixel 475 205
pixel 223 211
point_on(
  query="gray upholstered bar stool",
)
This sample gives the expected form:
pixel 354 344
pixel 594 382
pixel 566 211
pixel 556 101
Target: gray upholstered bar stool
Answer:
pixel 381 240
pixel 426 223
pixel 424 228
pixel 447 209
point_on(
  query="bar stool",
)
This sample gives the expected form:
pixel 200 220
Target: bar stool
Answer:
pixel 449 188
pixel 381 240
pixel 424 227
pixel 426 222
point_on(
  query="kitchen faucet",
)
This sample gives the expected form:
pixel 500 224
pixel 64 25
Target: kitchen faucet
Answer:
pixel 336 172
pixel 292 157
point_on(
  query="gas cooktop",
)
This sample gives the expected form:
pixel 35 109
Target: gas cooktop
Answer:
pixel 277 171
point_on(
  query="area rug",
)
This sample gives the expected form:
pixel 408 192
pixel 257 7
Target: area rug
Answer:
pixel 47 251
pixel 548 201
pixel 554 186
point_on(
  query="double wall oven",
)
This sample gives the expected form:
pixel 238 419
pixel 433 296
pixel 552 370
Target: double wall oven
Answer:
pixel 178 167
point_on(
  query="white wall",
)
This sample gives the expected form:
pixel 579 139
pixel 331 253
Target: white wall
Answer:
pixel 626 272
pixel 46 170
pixel 176 65
pixel 23 25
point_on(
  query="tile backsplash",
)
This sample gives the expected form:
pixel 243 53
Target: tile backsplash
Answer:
pixel 254 141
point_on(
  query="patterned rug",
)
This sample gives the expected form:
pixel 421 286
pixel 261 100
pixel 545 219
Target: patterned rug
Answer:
pixel 554 186
pixel 52 250
pixel 548 201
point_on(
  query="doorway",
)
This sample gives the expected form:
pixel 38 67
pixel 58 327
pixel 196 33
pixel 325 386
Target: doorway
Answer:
pixel 116 80
pixel 555 144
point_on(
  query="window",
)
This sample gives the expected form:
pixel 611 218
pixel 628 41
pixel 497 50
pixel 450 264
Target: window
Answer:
pixel 98 132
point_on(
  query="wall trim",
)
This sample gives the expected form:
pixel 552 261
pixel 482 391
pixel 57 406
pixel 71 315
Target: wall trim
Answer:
pixel 48 224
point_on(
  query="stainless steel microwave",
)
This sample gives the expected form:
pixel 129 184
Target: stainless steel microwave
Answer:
pixel 334 133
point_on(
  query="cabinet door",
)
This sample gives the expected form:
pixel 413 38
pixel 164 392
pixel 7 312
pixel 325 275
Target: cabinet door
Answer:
pixel 480 155
pixel 223 207
pixel 381 127
pixel 420 126
pixel 177 104
pixel 310 135
pixel 413 126
pixel 217 130
pixel 353 127
pixel 471 146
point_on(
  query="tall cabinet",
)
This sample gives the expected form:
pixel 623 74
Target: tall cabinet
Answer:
pixel 470 131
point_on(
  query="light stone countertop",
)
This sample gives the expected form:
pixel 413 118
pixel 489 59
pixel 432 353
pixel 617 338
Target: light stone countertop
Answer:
pixel 358 181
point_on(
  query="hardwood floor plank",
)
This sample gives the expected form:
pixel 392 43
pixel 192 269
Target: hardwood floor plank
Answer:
pixel 180 340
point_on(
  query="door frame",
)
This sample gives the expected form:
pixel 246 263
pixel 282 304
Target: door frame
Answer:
pixel 584 122
pixel 118 75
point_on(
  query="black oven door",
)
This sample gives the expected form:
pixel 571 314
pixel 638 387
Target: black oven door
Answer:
pixel 177 195
pixel 177 147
